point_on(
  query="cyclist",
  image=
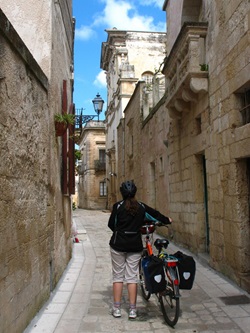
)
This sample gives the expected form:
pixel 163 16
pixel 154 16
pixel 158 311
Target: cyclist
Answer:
pixel 126 245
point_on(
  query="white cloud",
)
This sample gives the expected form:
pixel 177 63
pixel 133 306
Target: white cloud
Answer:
pixel 123 15
pixel 157 3
pixel 100 80
pixel 84 33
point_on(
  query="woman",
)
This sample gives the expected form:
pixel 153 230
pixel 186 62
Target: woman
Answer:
pixel 125 221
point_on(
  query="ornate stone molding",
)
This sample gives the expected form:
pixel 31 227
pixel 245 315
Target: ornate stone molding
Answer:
pixel 184 69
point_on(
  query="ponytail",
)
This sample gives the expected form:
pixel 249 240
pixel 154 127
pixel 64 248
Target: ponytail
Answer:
pixel 131 206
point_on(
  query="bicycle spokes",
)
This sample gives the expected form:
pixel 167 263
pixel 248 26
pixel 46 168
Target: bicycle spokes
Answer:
pixel 170 299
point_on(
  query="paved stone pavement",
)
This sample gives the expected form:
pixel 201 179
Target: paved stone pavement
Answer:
pixel 81 302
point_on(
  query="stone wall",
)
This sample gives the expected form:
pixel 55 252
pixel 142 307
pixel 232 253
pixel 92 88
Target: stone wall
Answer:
pixel 92 170
pixel 209 143
pixel 126 56
pixel 190 157
pixel 35 218
pixel 129 139
pixel 142 151
pixel 32 16
pixel 229 66
pixel 185 161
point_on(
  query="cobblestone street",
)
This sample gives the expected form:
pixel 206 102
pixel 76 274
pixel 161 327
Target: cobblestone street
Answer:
pixel 82 300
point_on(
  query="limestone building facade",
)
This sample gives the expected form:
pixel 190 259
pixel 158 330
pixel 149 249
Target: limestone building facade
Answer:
pixel 92 183
pixel 127 57
pixel 190 154
pixel 36 47
pixel 142 148
pixel 207 98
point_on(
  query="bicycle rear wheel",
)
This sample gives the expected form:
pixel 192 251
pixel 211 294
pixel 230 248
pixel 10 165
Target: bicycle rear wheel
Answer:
pixel 170 302
pixel 145 293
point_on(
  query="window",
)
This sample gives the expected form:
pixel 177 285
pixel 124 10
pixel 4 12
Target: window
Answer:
pixel 245 109
pixel 130 140
pixel 102 156
pixel 103 189
pixel 131 145
pixel 198 125
pixel 161 165
pixel 100 164
pixel 147 77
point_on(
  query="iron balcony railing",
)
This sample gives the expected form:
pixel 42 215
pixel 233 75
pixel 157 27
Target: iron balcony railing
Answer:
pixel 100 165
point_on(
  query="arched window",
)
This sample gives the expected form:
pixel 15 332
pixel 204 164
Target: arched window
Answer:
pixel 147 77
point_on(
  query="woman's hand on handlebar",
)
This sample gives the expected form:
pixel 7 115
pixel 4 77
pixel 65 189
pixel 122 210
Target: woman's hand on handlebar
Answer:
pixel 160 224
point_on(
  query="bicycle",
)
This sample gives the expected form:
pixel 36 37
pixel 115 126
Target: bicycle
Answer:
pixel 169 298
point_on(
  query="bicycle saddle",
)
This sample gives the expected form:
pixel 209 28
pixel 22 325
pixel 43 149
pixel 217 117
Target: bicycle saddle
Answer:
pixel 160 243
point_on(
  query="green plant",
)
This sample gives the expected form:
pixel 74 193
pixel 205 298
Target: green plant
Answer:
pixel 77 154
pixel 65 118
pixel 204 67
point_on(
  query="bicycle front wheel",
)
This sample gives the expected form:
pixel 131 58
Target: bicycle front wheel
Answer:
pixel 170 303
pixel 145 293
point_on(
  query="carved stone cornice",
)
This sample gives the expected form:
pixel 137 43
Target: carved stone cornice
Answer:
pixel 185 70
pixel 116 40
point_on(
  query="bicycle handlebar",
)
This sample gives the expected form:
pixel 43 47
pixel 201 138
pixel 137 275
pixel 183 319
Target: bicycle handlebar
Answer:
pixel 160 224
pixel 156 223
pixel 149 228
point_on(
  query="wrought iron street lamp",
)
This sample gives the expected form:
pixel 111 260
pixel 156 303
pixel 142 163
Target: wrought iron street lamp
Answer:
pixel 98 104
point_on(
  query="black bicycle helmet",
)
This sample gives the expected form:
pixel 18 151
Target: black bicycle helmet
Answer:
pixel 128 189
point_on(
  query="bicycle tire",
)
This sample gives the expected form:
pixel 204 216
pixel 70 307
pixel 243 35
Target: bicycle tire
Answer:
pixel 145 293
pixel 170 304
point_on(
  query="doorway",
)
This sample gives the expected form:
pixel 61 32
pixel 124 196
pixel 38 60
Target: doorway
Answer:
pixel 152 185
pixel 205 203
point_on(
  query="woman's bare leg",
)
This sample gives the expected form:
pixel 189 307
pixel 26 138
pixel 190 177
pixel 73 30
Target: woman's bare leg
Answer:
pixel 117 291
pixel 132 293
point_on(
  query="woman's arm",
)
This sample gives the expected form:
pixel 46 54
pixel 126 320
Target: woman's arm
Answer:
pixel 157 215
pixel 112 218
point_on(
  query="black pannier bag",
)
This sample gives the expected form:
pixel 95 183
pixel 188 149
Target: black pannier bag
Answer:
pixel 187 268
pixel 154 274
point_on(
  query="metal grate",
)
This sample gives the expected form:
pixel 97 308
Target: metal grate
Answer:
pixel 235 300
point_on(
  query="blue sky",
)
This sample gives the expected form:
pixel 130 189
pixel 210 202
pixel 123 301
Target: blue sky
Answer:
pixel 92 18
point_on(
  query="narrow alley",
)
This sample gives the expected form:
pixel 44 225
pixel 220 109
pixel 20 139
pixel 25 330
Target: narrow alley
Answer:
pixel 83 298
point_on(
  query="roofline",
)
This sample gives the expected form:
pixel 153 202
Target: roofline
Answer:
pixel 164 6
pixel 141 31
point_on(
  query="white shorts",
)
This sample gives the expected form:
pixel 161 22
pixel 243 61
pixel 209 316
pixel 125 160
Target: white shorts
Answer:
pixel 125 266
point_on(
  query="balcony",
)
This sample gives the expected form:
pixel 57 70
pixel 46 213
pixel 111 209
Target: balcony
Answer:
pixel 100 165
pixel 185 69
pixel 80 168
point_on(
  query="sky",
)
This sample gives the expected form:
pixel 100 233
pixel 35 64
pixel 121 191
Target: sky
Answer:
pixel 92 18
